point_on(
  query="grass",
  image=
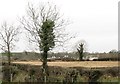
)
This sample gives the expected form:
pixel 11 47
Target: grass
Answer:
pixel 20 76
pixel 0 81
pixel 108 78
pixel 82 79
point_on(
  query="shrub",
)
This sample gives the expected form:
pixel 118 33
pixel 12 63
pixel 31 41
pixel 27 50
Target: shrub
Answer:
pixel 113 71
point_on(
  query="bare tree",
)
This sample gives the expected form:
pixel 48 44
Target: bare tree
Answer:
pixel 8 38
pixel 45 25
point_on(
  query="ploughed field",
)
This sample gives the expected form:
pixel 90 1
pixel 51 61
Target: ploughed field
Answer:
pixel 87 64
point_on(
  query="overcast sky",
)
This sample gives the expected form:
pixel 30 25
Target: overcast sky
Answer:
pixel 95 21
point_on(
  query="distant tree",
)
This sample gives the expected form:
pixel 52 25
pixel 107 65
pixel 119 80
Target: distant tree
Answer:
pixel 26 53
pixel 8 36
pixel 44 25
pixel 113 51
pixel 80 51
pixel 81 47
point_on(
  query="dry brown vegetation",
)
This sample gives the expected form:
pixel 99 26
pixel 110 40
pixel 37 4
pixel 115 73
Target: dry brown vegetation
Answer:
pixel 74 63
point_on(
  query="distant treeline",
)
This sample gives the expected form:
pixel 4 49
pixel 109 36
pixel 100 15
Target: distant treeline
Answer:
pixel 64 56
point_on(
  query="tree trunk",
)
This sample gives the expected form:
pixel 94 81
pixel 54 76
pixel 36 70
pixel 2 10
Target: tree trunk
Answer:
pixel 80 51
pixel 81 56
pixel 9 64
pixel 44 59
pixel 45 53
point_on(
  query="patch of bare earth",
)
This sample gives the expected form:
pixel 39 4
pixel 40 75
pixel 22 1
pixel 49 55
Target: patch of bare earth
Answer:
pixel 74 63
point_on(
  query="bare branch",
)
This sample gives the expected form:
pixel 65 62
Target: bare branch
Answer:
pixel 8 36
